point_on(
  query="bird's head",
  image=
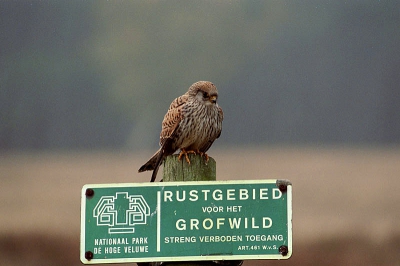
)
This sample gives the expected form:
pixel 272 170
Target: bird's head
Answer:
pixel 205 92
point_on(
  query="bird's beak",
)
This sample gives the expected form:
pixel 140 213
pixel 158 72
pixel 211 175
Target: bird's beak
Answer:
pixel 213 99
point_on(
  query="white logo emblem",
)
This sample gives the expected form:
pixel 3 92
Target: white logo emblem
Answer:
pixel 121 212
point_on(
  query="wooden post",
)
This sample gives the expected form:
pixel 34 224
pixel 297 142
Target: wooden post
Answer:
pixel 197 170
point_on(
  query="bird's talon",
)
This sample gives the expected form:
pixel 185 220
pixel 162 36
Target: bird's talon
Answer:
pixel 207 158
pixel 205 155
pixel 185 152
pixel 187 158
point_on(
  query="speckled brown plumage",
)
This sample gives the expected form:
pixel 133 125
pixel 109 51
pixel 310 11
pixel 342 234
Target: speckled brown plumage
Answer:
pixel 191 124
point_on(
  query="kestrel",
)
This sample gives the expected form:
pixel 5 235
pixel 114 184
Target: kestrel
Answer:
pixel 191 124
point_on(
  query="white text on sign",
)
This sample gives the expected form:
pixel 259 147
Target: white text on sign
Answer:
pixel 219 194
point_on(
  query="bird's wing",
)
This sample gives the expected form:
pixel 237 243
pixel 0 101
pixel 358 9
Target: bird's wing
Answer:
pixel 172 118
pixel 220 118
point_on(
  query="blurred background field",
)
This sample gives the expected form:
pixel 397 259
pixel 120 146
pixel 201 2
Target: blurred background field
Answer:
pixel 309 89
pixel 345 200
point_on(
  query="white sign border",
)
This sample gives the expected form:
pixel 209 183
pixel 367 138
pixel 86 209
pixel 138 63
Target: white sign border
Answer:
pixel 184 258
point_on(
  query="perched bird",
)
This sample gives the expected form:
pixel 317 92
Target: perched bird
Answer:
pixel 191 124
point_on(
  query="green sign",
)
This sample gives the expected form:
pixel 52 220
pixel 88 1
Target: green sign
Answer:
pixel 186 221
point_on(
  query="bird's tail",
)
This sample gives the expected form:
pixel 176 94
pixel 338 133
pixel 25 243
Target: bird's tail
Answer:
pixel 153 164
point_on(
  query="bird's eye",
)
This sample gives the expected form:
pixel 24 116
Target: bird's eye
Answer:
pixel 205 95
